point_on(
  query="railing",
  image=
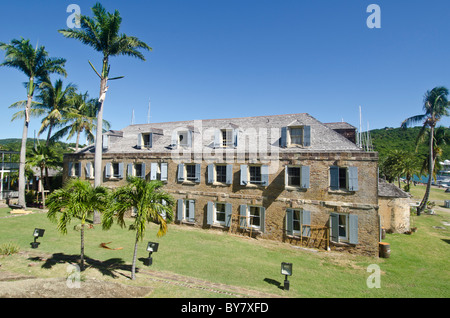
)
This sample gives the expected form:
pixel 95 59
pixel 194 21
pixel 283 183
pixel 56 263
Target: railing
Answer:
pixel 9 165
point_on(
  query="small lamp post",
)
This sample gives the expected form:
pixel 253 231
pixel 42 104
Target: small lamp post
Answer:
pixel 151 247
pixel 37 233
pixel 286 269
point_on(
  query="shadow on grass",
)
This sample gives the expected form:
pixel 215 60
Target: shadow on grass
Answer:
pixel 273 282
pixel 109 267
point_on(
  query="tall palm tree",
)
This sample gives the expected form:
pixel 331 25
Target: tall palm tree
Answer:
pixel 82 117
pixel 55 100
pixel 43 157
pixel 441 139
pixel 147 199
pixel 36 65
pixel 435 106
pixel 77 199
pixel 102 34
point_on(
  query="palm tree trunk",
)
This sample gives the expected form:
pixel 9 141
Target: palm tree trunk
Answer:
pixel 133 266
pixel 42 187
pixel 78 140
pixel 82 246
pixel 98 141
pixel 23 152
pixel 423 204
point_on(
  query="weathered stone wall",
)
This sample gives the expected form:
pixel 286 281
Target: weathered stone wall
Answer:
pixel 395 214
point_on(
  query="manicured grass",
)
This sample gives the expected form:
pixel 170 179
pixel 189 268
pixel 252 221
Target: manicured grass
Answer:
pixel 436 194
pixel 418 266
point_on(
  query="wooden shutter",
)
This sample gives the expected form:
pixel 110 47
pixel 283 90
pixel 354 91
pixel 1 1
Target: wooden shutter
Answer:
pixel 306 220
pixel 217 138
pixel 229 179
pixel 139 141
pixel 289 222
pixel 153 171
pixel 334 226
pixel 262 213
pixel 70 167
pixel 209 213
pixel 180 205
pixel 150 139
pixel 235 137
pixel 105 142
pixel 88 170
pixel 198 170
pixel 142 171
pixel 191 211
pixel 307 136
pixel 283 139
pixel 353 229
pixel 174 142
pixel 180 177
pixel 244 174
pixel 265 175
pixel 304 174
pixel 352 175
pixel 228 213
pixel 334 178
pixel 164 176
pixel 210 172
pixel 243 216
pixel 189 137
pixel 121 170
pixel 108 170
pixel 130 169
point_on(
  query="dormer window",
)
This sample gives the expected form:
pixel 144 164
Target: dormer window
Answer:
pixel 183 138
pixel 294 136
pixel 226 138
pixel 144 140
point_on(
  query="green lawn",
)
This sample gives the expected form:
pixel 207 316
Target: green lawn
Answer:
pixel 436 194
pixel 418 266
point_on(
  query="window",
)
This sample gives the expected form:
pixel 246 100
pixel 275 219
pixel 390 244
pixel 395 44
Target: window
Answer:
pixel 224 138
pixel 186 210
pixel 344 178
pixel 227 138
pixel 255 174
pixel 74 169
pixel 219 213
pixel 295 136
pixel 183 138
pixel 344 228
pixel 189 172
pixel 294 176
pixel 158 171
pixel 115 173
pixel 144 140
pixel 298 222
pixel 89 170
pixel 114 170
pixel 252 217
pixel 221 173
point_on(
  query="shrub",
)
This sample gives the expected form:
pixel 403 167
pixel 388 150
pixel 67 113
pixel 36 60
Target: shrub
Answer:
pixel 9 248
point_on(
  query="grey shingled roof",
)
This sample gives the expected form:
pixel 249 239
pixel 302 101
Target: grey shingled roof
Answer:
pixel 323 138
pixel 390 190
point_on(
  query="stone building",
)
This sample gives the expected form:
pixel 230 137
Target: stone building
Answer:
pixel 289 177
pixel 394 208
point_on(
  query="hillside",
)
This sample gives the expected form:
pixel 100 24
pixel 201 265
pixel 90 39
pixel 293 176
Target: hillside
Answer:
pixel 387 139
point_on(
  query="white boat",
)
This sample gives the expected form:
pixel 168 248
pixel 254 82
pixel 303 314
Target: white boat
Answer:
pixel 443 176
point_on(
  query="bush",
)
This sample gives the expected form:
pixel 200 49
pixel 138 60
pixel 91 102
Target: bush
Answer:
pixel 9 248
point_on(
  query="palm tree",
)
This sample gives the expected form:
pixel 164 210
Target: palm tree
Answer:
pixel 102 33
pixel 43 157
pixel 37 66
pixel 441 139
pixel 150 205
pixel 55 100
pixel 77 199
pixel 435 106
pixel 81 118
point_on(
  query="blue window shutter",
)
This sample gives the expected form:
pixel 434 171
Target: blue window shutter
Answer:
pixel 265 175
pixel 209 213
pixel 228 213
pixel 189 136
pixel 235 137
pixel 174 142
pixel 262 211
pixel 243 216
pixel 334 226
pixel 88 170
pixel 130 169
pixel 229 174
pixel 283 139
pixel 143 171
pixel 198 170
pixel 217 138
pixel 191 211
pixel 120 170
pixel 306 220
pixel 334 178
pixel 153 171
pixel 289 222
pixel 150 139
pixel 244 174
pixel 139 141
pixel 180 206
pixel 108 170
pixel 210 171
pixel 180 177
pixel 305 177
pixel 105 142
pixel 286 176
pixel 352 178
pixel 69 172
pixel 164 176
pixel 307 136
pixel 353 229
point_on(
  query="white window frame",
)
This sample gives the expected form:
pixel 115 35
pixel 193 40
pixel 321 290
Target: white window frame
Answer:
pixel 215 220
pixel 91 171
pixel 185 135
pixel 302 136
pixel 249 218
pixel 249 175
pixel 228 141
pixel 299 176
pixel 149 144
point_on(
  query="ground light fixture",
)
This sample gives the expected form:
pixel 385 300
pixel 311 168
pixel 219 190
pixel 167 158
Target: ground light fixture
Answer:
pixel 151 247
pixel 37 233
pixel 286 270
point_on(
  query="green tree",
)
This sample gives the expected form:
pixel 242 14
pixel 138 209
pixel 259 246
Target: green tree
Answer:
pixel 150 204
pixel 43 157
pixel 77 199
pixel 435 106
pixel 36 65
pixel 102 33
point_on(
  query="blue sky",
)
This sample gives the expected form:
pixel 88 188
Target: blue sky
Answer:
pixel 237 58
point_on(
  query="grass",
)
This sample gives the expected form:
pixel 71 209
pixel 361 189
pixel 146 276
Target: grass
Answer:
pixel 436 194
pixel 418 266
